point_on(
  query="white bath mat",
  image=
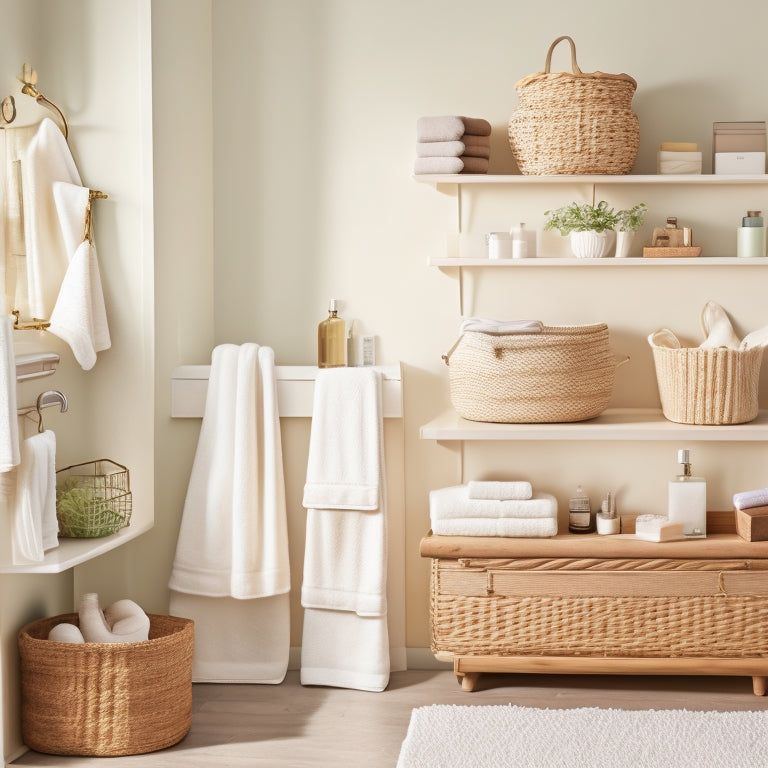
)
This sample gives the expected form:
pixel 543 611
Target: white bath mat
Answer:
pixel 448 736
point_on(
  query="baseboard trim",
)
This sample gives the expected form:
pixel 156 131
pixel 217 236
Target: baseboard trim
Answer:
pixel 402 658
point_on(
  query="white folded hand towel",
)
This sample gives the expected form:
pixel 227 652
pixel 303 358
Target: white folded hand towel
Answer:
pixel 453 502
pixel 499 489
pixel 10 454
pixel 515 527
pixel 35 528
pixel 749 499
pixel 440 148
pixel 486 325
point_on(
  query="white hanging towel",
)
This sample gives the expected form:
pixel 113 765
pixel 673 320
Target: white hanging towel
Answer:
pixel 345 637
pixel 233 541
pixel 35 529
pixel 79 316
pixel 10 455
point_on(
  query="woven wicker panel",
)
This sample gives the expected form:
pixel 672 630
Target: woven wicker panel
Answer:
pixel 572 123
pixel 708 386
pixel 106 699
pixel 562 374
pixel 722 613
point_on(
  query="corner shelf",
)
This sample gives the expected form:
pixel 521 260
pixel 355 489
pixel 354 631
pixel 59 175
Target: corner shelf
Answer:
pixel 613 424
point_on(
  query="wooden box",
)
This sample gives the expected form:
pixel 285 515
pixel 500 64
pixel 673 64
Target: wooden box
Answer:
pixel 752 524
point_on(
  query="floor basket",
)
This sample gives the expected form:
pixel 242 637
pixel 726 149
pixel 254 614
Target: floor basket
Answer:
pixel 106 699
pixel 708 386
pixel 560 374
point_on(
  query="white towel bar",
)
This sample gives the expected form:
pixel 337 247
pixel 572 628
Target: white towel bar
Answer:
pixel 295 390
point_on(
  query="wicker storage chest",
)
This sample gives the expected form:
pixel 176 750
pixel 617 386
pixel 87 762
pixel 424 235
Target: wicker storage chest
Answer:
pixel 589 604
pixel 106 699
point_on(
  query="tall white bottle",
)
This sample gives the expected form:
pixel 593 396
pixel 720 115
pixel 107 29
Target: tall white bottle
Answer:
pixel 688 499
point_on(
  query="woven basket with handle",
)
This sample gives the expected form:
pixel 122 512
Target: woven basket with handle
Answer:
pixel 574 122
pixel 560 374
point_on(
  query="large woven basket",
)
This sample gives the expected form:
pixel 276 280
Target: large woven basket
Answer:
pixel 106 699
pixel 708 386
pixel 574 122
pixel 561 374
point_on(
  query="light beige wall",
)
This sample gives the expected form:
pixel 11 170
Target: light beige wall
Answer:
pixel 315 112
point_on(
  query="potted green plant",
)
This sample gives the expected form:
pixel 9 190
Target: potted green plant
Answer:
pixel 590 227
pixel 628 222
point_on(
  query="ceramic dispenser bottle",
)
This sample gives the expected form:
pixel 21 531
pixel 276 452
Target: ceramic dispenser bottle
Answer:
pixel 687 503
pixel 750 236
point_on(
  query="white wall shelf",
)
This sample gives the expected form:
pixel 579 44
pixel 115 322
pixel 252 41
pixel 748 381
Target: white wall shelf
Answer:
pixel 72 552
pixel 489 178
pixel 613 424
pixel 698 262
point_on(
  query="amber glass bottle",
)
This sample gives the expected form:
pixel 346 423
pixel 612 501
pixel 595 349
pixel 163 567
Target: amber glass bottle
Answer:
pixel 332 340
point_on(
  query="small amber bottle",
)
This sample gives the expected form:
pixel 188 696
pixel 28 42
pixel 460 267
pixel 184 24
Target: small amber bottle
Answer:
pixel 332 340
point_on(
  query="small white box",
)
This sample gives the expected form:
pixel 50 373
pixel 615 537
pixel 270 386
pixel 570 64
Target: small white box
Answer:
pixel 678 162
pixel 740 163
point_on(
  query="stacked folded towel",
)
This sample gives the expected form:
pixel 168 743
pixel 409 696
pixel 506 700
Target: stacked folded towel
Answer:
pixel 492 508
pixel 452 144
pixel 751 499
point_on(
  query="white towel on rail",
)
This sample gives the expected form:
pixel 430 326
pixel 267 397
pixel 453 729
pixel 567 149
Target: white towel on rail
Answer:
pixel 10 455
pixel 345 641
pixel 35 527
pixel 79 316
pixel 233 540
pixel 345 556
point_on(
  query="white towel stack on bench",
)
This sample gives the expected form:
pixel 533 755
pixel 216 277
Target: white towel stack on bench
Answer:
pixel 493 508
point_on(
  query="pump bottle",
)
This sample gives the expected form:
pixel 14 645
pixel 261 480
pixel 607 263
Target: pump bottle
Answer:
pixel 332 340
pixel 687 502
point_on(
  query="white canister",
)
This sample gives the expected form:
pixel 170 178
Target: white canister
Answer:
pixel 750 236
pixel 499 245
pixel 519 242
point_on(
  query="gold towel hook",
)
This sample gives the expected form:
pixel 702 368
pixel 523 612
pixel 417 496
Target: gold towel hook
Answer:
pixel 28 78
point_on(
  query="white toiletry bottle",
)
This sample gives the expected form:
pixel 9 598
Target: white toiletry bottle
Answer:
pixel 750 236
pixel 519 242
pixel 688 499
pixel 580 516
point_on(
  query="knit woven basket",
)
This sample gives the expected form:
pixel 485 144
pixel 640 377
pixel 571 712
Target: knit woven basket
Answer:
pixel 561 374
pixel 574 122
pixel 106 699
pixel 708 386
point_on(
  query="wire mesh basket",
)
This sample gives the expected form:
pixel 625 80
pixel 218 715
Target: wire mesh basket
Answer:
pixel 93 499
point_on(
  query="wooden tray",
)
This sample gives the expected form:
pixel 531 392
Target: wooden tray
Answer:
pixel 672 253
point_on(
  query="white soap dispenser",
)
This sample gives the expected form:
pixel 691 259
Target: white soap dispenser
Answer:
pixel 688 499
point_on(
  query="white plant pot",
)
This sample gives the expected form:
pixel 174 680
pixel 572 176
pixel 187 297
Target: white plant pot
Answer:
pixel 592 245
pixel 623 243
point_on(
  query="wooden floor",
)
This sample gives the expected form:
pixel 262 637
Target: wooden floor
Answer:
pixel 290 726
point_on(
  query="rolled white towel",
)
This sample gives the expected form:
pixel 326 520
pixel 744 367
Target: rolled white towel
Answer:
pixel 508 527
pixel 66 633
pixel 486 325
pixel 500 489
pixel 749 499
pixel 128 626
pixel 453 502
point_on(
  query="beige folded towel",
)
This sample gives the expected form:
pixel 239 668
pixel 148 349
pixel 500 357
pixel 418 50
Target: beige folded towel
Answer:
pixel 475 164
pixel 450 128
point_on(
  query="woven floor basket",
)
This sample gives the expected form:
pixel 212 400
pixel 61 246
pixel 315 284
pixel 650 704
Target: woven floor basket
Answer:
pixel 598 608
pixel 562 374
pixel 708 386
pixel 106 699
pixel 574 123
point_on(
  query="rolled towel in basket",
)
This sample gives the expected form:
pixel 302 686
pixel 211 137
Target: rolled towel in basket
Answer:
pixel 486 325
pixel 454 503
pixel 750 499
pixel 499 489
pixel 542 527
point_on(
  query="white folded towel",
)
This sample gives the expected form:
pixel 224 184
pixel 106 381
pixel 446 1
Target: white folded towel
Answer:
pixel 450 127
pixel 438 165
pixel 345 555
pixel 749 499
pixel 79 316
pixel 486 325
pixel 453 502
pixel 233 539
pixel 511 527
pixel 34 529
pixel 10 455
pixel 440 148
pixel 499 489
pixel 46 160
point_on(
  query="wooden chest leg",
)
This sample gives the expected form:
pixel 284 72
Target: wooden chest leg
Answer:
pixel 759 685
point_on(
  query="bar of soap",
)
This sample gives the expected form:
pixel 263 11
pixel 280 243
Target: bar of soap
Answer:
pixel 657 528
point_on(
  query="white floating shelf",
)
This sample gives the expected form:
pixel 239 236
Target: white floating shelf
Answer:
pixel 295 390
pixel 635 261
pixel 661 178
pixel 613 424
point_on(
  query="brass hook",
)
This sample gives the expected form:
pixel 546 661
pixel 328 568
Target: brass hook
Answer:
pixel 28 79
